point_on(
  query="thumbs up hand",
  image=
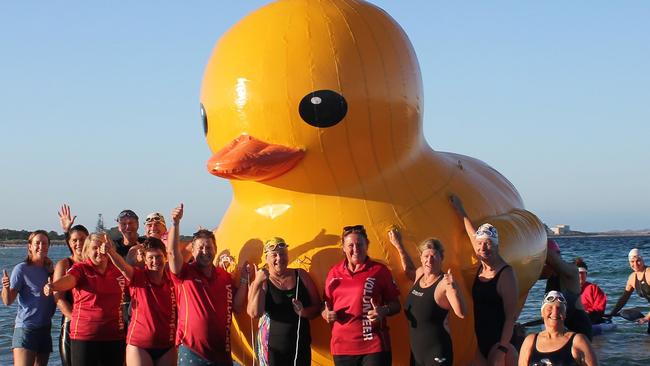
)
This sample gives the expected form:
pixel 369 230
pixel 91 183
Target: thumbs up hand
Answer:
pixel 377 312
pixel 449 279
pixel 328 314
pixel 5 279
pixel 48 289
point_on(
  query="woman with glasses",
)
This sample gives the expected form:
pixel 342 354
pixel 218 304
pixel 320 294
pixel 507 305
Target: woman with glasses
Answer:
pixel 152 329
pixel 359 294
pixel 32 338
pixel 555 345
pixel 638 280
pixel 75 236
pixel 494 294
pixel 97 326
pixel 284 299
pixel 433 294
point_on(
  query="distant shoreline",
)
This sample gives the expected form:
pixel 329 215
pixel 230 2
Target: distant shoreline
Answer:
pixel 600 235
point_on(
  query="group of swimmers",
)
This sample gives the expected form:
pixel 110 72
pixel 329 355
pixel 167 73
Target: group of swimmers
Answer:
pixel 157 301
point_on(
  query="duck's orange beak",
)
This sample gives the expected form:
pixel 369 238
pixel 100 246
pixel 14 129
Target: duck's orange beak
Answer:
pixel 247 158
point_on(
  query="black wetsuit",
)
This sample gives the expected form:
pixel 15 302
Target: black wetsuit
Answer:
pixel 489 316
pixel 283 326
pixel 64 336
pixel 430 342
pixel 560 357
pixel 643 289
pixel 577 320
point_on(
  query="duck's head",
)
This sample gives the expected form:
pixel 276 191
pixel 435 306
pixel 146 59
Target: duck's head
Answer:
pixel 329 90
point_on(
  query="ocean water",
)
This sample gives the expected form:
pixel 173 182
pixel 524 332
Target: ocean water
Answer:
pixel 628 345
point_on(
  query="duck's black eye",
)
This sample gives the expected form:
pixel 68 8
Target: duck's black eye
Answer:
pixel 204 119
pixel 323 108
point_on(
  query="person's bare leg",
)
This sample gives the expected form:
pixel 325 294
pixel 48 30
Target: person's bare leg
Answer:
pixel 24 357
pixel 137 356
pixel 168 359
pixel 42 359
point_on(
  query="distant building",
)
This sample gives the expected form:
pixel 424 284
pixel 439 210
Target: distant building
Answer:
pixel 561 229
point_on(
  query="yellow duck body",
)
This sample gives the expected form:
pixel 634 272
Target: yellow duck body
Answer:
pixel 354 154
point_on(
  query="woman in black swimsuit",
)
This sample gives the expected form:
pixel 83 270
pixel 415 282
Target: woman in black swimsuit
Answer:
pixel 555 345
pixel 494 294
pixel 75 236
pixel 433 294
pixel 638 280
pixel 284 299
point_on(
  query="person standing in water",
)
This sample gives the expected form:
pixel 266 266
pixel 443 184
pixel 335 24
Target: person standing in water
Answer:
pixel 637 280
pixel 563 276
pixel 593 298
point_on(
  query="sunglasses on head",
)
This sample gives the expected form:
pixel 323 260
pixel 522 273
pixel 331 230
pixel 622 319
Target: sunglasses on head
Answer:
pixel 271 247
pixel 126 214
pixel 153 219
pixel 354 228
pixel 553 298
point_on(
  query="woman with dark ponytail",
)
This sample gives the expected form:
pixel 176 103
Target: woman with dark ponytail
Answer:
pixel 75 236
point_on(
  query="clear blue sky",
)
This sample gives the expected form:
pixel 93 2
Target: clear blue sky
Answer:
pixel 99 104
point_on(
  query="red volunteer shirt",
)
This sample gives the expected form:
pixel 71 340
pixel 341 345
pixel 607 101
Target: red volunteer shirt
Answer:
pixel 593 298
pixel 349 295
pixel 153 311
pixel 96 313
pixel 204 312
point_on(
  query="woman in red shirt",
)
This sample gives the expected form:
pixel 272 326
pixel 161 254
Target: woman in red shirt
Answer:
pixel 150 337
pixel 97 325
pixel 359 294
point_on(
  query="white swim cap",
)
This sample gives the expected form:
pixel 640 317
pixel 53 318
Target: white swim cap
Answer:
pixel 634 253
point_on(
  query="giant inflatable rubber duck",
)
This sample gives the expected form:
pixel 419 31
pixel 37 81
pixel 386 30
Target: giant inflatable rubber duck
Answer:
pixel 313 110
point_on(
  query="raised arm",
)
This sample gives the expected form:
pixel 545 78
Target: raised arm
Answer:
pixel 66 219
pixel 257 293
pixel 174 253
pixel 117 259
pixel 457 204
pixel 395 238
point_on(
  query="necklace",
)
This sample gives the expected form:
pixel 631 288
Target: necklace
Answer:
pixel 428 282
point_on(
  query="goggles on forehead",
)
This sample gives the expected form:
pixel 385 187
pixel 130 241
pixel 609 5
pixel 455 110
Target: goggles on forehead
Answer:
pixel 554 296
pixel 274 244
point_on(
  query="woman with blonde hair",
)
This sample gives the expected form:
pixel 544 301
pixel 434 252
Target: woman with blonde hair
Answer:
pixel 427 305
pixel 97 327
pixel 284 299
pixel 32 339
